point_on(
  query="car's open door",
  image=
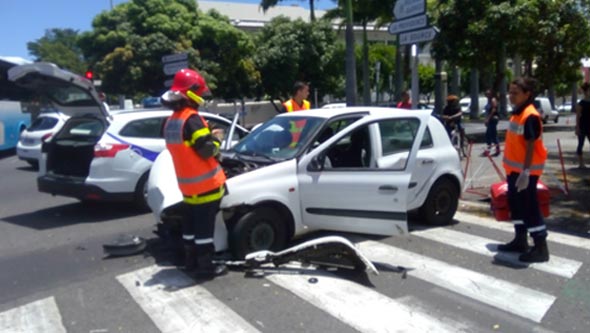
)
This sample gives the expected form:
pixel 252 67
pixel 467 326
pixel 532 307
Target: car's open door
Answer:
pixel 341 194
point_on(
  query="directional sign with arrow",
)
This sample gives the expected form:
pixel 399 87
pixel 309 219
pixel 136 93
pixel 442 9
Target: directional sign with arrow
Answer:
pixel 413 37
pixel 408 24
pixel 407 8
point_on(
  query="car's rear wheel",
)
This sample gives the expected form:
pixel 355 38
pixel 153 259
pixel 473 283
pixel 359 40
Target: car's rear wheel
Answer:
pixel 556 119
pixel 441 204
pixel 140 196
pixel 258 229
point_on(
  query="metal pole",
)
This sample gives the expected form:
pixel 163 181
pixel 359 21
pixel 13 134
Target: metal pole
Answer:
pixel 350 58
pixel 415 79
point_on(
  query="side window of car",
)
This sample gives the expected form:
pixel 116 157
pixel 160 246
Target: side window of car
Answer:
pixel 351 151
pixel 143 128
pixel 397 137
pixel 216 124
pixel 426 140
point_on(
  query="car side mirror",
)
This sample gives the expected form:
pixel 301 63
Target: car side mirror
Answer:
pixel 316 164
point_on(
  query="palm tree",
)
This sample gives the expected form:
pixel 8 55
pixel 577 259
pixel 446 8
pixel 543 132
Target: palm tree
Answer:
pixel 266 4
pixel 365 12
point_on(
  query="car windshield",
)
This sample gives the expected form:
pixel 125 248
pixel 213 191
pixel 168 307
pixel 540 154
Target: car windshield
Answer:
pixel 280 138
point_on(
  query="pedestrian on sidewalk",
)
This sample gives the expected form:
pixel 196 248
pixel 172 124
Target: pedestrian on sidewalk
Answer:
pixel 583 122
pixel 524 159
pixel 491 122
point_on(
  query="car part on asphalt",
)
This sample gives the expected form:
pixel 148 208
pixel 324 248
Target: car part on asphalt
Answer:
pixel 124 245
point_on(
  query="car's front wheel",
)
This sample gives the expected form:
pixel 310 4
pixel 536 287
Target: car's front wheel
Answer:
pixel 441 204
pixel 259 229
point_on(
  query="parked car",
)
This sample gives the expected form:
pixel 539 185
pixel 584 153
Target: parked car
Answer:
pixel 465 104
pixel 334 105
pixel 96 156
pixel 43 127
pixel 358 169
pixel 543 105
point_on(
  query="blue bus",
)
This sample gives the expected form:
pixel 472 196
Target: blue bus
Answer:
pixel 12 122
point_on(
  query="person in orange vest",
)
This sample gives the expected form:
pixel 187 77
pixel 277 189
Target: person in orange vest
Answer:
pixel 524 160
pixel 200 177
pixel 298 102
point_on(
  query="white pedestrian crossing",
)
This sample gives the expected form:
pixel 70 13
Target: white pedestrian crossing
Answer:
pixel 175 303
pixel 41 316
pixel 557 265
pixel 362 308
pixel 488 222
pixel 500 294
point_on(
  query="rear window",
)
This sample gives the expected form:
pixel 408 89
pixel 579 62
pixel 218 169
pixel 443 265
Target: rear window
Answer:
pixel 82 128
pixel 42 123
pixel 144 128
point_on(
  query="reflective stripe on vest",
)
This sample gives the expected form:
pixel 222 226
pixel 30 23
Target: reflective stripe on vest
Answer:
pixel 515 145
pixel 195 174
pixel 296 126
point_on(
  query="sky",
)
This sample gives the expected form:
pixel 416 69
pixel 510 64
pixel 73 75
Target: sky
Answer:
pixel 23 21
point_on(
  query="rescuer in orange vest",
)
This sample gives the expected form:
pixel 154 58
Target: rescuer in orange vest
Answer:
pixel 200 177
pixel 524 159
pixel 298 102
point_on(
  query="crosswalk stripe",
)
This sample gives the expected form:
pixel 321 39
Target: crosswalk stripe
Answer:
pixel 569 240
pixel 41 316
pixel 498 293
pixel 362 308
pixel 170 298
pixel 557 265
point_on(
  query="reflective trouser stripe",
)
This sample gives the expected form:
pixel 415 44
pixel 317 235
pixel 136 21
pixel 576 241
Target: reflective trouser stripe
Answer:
pixel 204 241
pixel 188 237
pixel 536 229
pixel 517 222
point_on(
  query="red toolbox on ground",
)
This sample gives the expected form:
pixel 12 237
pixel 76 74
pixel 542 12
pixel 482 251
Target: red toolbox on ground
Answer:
pixel 500 206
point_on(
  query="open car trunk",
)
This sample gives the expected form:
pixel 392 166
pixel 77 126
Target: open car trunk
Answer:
pixel 71 151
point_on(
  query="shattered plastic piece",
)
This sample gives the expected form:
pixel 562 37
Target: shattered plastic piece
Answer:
pixel 125 245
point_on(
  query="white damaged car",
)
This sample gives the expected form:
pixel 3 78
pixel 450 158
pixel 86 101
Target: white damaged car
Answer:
pixel 352 169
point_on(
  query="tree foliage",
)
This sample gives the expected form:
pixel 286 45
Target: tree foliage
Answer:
pixel 127 45
pixel 59 46
pixel 295 50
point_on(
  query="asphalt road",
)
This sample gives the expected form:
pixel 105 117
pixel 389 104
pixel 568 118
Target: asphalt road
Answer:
pixel 54 278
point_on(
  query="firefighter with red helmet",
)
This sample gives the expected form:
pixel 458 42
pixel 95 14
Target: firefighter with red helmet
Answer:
pixel 201 179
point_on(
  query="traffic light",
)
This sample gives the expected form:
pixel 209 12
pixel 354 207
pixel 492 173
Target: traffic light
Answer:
pixel 89 74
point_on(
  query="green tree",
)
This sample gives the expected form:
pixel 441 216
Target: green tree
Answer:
pixel 59 46
pixel 426 78
pixel 295 50
pixel 127 45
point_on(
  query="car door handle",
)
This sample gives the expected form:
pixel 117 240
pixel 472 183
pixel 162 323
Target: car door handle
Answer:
pixel 413 184
pixel 428 161
pixel 387 188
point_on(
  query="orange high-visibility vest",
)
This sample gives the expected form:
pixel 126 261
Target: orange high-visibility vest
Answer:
pixel 296 126
pixel 515 145
pixel 196 175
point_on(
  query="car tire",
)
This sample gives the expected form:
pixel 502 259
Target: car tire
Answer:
pixel 441 204
pixel 545 120
pixel 556 119
pixel 258 229
pixel 33 164
pixel 140 196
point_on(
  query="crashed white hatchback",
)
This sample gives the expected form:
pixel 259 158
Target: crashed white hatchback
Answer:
pixel 353 169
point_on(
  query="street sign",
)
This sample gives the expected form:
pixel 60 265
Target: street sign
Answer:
pixel 413 37
pixel 174 57
pixel 173 67
pixel 407 8
pixel 412 23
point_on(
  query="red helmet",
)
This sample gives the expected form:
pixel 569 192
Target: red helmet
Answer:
pixel 190 84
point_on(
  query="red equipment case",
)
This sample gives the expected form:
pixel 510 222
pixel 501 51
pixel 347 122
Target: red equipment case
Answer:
pixel 500 206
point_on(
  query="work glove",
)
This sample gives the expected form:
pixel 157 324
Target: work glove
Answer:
pixel 522 182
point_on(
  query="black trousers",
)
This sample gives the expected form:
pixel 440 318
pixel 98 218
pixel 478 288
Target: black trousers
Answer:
pixel 199 222
pixel 524 206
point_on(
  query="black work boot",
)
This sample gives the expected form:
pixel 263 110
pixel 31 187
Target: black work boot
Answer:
pixel 205 266
pixel 190 257
pixel 539 252
pixel 518 244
